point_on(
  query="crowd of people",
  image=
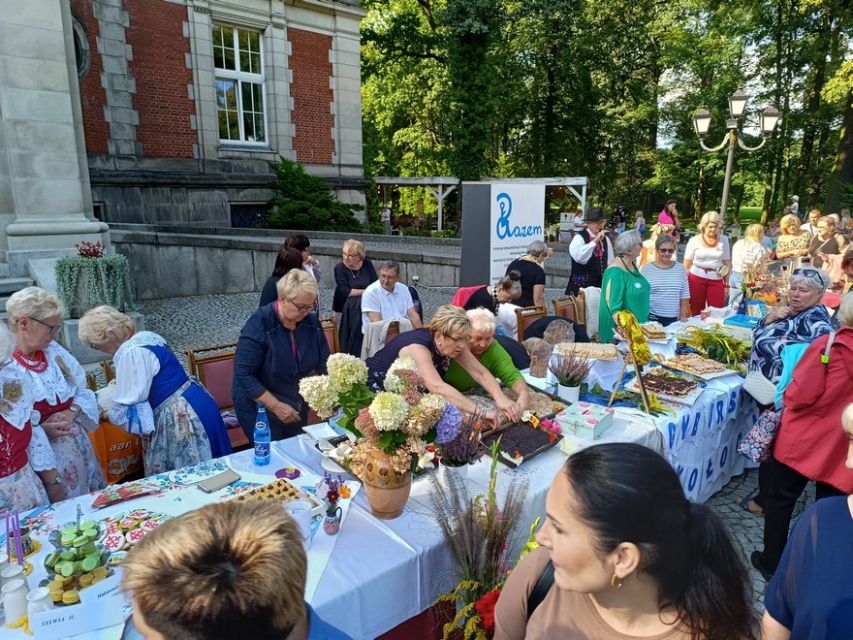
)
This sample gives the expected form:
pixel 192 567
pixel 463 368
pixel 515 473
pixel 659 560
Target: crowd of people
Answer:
pixel 616 555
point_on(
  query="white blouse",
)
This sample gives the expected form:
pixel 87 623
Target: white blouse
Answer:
pixel 707 260
pixel 746 254
pixel 63 379
pixel 136 367
pixel 16 408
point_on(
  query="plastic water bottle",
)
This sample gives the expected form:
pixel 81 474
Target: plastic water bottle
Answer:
pixel 262 437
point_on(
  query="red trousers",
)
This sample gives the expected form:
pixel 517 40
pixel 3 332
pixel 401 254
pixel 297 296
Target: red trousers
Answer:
pixel 705 293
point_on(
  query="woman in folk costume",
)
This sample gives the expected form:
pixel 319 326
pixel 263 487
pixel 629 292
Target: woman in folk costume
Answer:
pixel 57 383
pixel 28 476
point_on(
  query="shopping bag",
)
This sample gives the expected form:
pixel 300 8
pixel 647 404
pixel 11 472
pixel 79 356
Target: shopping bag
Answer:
pixel 119 452
pixel 757 444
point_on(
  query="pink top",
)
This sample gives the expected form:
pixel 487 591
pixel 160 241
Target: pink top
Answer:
pixel 665 218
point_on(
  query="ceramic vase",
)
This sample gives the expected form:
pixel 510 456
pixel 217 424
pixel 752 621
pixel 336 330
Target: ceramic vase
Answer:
pixel 332 522
pixel 387 490
pixel 447 474
pixel 569 394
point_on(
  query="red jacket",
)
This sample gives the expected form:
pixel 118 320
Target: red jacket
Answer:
pixel 810 439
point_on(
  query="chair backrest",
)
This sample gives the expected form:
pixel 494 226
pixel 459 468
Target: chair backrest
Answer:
pixel 571 308
pixel 393 332
pixel 214 367
pixel 330 328
pixel 109 370
pixel 527 316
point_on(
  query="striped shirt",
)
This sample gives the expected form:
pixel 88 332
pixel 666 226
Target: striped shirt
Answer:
pixel 669 288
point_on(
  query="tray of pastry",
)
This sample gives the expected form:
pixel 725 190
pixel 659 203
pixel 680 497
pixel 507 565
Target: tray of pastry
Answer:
pixel 591 350
pixel 696 365
pixel 667 386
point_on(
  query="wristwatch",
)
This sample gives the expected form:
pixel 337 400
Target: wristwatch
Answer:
pixel 75 409
pixel 56 480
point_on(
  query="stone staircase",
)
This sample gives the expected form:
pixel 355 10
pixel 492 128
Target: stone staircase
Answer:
pixel 10 284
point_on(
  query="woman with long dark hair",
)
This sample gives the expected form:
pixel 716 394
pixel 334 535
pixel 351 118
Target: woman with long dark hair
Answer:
pixel 631 558
pixel 288 258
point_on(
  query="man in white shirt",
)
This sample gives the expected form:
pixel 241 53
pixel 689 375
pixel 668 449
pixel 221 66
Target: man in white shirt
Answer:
pixel 811 225
pixel 387 299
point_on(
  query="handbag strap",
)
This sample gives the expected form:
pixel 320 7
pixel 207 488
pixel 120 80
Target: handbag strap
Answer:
pixel 540 589
pixel 825 357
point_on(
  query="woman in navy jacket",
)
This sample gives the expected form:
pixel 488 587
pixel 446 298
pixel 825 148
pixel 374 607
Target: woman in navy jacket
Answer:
pixel 279 345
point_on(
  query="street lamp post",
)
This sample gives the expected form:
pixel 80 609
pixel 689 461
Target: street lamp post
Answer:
pixel 737 105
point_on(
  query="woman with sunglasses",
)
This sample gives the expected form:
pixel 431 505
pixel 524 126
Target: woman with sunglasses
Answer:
pixel 177 420
pixel 279 345
pixel 670 294
pixel 57 382
pixel 809 445
pixel 802 321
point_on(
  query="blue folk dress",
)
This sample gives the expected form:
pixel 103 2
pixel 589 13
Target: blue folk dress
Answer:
pixel 179 421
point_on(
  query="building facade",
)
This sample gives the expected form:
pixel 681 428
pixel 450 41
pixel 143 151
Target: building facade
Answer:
pixel 185 102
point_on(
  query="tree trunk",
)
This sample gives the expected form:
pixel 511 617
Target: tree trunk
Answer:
pixel 842 171
pixel 811 109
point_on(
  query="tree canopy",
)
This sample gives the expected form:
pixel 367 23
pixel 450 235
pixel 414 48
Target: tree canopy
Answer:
pixel 607 89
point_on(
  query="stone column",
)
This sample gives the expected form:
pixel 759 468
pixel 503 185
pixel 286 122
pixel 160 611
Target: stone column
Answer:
pixel 44 181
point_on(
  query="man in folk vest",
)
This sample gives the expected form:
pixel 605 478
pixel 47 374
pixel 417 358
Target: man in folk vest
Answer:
pixel 591 253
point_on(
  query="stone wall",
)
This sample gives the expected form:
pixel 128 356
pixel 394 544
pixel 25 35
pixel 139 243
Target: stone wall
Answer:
pixel 170 261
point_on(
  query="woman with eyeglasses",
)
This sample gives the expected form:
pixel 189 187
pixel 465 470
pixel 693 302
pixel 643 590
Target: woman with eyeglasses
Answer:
pixel 352 276
pixel 177 420
pixel 793 241
pixel 670 294
pixel 802 321
pixel 432 350
pixel 279 345
pixel 57 382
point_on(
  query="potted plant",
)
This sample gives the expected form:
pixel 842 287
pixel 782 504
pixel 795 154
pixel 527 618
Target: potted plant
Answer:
pixel 392 427
pixel 570 371
pixel 92 278
pixel 458 443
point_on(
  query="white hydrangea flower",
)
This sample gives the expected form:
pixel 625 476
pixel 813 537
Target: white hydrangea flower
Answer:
pixel 346 371
pixel 320 393
pixel 388 411
pixel 392 382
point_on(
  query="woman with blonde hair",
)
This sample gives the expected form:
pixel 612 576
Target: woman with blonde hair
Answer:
pixel 432 350
pixel 793 242
pixel 352 276
pixel 279 345
pixel 28 465
pixel 708 262
pixel 57 382
pixel 174 415
pixel 748 254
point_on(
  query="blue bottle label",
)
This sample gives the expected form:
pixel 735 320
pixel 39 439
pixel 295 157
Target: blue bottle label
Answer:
pixel 262 451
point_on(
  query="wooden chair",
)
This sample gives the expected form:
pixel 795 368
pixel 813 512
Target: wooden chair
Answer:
pixel 214 367
pixel 393 332
pixel 330 328
pixel 571 308
pixel 527 316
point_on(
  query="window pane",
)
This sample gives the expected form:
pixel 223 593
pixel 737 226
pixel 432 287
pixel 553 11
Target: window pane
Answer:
pixel 260 134
pixel 243 39
pixel 228 62
pixel 258 95
pixel 226 103
pixel 255 62
pixel 248 97
pixel 218 47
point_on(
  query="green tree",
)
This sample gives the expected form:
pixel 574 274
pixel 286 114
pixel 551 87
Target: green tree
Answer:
pixel 306 202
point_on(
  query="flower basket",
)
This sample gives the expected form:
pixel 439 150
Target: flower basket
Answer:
pixel 84 283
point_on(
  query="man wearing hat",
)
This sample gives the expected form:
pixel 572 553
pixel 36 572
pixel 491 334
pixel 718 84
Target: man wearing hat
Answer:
pixel 591 253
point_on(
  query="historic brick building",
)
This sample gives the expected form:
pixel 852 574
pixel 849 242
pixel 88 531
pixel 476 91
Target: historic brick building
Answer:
pixel 184 103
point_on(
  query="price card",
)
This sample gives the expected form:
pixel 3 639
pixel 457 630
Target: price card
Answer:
pixel 62 622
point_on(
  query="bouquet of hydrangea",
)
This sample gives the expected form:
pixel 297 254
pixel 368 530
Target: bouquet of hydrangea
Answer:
pixel 399 421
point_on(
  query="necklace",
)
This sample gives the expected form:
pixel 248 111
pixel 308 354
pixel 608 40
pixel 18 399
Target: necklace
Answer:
pixel 633 271
pixel 37 363
pixel 355 273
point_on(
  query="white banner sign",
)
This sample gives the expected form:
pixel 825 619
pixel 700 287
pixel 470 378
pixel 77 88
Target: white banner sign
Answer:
pixel 517 219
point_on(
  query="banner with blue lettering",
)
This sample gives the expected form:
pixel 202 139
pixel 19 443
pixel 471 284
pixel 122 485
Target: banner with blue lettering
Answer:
pixel 517 219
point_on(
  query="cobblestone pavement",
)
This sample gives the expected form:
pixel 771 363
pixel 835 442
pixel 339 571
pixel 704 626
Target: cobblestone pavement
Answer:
pixel 209 320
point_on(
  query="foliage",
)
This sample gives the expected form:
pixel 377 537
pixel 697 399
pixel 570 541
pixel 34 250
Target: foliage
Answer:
pixel 607 89
pixel 303 201
pixel 85 283
pixel 90 249
pixel 477 531
pixel 717 345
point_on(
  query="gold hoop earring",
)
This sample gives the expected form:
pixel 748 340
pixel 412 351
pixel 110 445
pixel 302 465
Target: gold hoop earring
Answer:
pixel 616 581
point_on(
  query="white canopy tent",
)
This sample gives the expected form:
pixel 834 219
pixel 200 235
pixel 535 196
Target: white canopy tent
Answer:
pixel 439 186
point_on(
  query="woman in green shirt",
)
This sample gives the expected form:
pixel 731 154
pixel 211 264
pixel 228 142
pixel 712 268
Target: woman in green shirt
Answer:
pixel 623 287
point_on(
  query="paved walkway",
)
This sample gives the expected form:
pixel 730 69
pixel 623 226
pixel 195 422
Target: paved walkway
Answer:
pixel 210 320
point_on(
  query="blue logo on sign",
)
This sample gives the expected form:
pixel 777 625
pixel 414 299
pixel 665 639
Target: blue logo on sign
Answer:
pixel 503 228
